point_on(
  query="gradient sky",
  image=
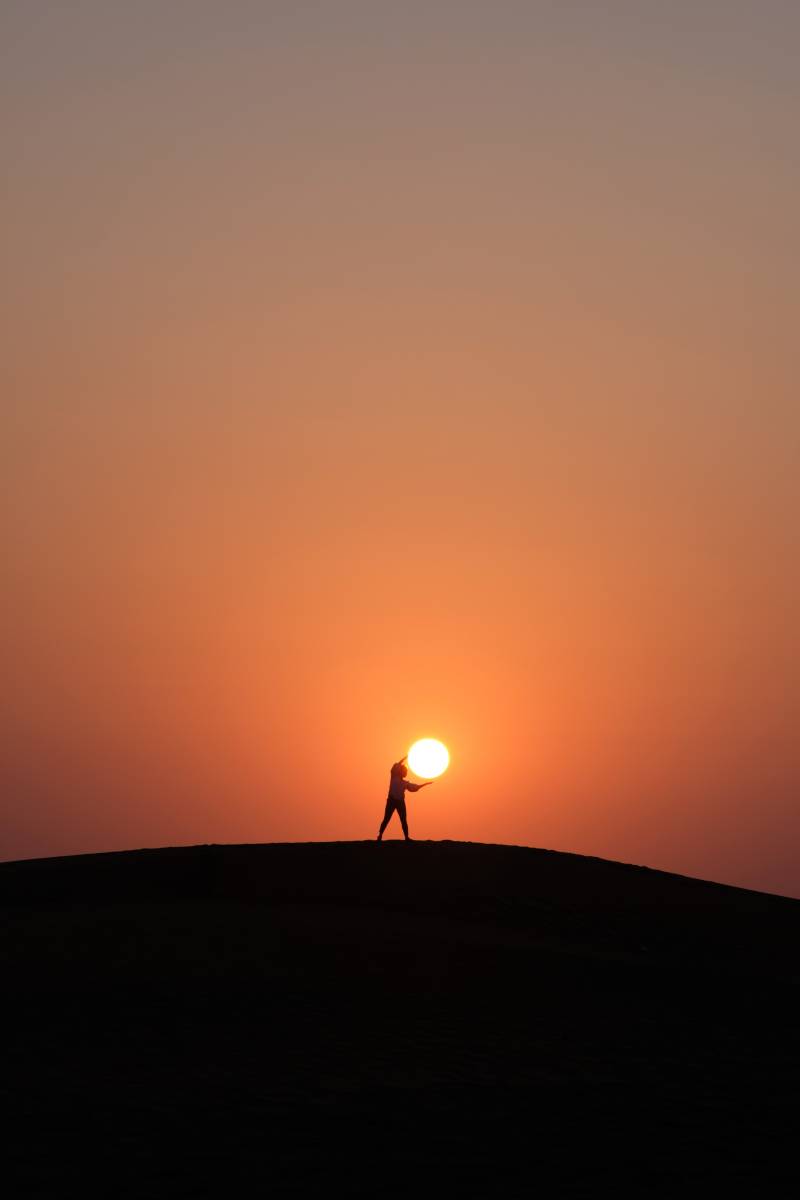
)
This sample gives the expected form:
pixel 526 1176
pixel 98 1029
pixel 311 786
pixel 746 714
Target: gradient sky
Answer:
pixel 374 370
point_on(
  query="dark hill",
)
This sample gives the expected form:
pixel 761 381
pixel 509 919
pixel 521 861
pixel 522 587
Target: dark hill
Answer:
pixel 388 1019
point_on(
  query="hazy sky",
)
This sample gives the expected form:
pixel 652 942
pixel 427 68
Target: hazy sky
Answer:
pixel 373 370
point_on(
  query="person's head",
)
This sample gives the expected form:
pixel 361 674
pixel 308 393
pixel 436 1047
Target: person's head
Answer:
pixel 400 769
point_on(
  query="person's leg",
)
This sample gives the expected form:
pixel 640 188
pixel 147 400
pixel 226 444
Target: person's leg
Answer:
pixel 401 812
pixel 387 816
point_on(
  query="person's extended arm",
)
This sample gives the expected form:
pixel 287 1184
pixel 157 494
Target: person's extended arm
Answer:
pixel 417 787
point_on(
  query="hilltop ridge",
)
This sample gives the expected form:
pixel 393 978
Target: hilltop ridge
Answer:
pixel 433 1015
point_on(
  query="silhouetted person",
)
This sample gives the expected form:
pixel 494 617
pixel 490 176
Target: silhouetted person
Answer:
pixel 396 800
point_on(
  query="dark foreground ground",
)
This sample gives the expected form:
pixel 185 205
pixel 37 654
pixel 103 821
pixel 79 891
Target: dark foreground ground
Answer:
pixel 437 1018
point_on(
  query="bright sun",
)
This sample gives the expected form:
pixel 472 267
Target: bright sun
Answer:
pixel 428 758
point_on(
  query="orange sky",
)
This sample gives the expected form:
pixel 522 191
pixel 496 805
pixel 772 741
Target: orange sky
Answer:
pixel 374 373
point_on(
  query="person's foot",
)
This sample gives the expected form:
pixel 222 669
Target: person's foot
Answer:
pixel 379 838
pixel 409 839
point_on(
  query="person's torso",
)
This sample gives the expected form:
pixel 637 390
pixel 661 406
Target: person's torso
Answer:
pixel 397 787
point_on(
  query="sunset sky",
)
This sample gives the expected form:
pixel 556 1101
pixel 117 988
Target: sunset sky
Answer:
pixel 378 370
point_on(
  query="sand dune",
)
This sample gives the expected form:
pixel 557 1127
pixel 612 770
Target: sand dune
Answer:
pixel 388 1019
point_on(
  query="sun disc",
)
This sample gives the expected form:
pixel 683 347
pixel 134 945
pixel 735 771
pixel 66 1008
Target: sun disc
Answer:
pixel 428 758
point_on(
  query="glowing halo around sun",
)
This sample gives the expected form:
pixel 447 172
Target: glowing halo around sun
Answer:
pixel 428 758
